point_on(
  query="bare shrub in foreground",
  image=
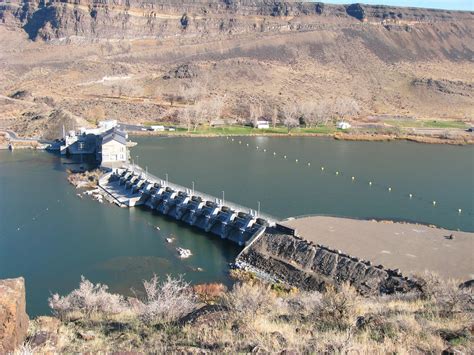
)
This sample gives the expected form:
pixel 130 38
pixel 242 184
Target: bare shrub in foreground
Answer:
pixel 339 307
pixel 88 299
pixel 166 301
pixel 210 292
pixel 305 303
pixel 250 299
pixel 446 295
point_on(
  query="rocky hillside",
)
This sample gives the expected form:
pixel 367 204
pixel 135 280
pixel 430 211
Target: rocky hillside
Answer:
pixel 123 59
pixel 171 317
pixel 203 18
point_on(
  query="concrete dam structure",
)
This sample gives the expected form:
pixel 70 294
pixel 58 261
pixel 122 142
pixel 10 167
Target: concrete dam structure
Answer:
pixel 272 251
pixel 131 186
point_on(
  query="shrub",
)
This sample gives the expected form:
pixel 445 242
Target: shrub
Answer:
pixel 339 306
pixel 305 303
pixel 210 292
pixel 446 296
pixel 166 301
pixel 249 300
pixel 88 299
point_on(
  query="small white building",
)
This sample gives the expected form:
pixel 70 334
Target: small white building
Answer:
pixel 158 128
pixel 343 125
pixel 107 124
pixel 262 124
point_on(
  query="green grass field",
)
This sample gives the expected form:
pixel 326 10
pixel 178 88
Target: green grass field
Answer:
pixel 426 124
pixel 245 130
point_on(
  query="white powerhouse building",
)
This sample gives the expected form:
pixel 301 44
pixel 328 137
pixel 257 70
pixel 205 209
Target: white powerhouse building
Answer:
pixel 106 142
pixel 112 147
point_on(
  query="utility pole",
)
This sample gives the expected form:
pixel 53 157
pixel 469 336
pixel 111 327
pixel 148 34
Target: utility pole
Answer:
pixel 258 211
pixel 166 179
pixel 223 197
pixel 193 186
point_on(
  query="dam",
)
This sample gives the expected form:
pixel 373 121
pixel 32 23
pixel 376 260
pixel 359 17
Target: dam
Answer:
pixel 272 250
pixel 131 186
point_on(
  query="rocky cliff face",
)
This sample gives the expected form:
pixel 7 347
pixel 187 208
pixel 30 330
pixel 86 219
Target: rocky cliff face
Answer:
pixel 302 264
pixel 13 317
pixel 121 59
pixel 126 19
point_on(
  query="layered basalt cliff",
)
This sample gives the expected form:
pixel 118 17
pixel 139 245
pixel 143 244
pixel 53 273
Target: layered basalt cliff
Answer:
pixel 127 19
pixel 295 261
pixel 123 59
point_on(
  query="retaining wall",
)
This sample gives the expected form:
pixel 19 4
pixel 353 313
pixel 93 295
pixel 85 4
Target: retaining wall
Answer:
pixel 309 266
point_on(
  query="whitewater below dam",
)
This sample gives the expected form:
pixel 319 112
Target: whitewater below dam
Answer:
pixel 51 236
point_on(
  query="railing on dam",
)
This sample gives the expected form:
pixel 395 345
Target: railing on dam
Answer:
pixel 206 197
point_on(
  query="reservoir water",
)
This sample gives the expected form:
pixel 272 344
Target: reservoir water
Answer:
pixel 51 237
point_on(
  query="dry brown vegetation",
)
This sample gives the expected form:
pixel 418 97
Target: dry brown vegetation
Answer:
pixel 256 317
pixel 259 66
pixel 86 179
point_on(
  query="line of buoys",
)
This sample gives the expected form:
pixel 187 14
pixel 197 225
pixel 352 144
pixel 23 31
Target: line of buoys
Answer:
pixel 353 178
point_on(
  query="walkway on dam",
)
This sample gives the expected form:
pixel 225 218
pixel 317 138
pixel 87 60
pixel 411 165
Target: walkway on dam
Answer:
pixel 205 197
pixel 131 186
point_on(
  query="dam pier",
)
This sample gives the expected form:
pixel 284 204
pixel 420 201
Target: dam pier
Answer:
pixel 131 186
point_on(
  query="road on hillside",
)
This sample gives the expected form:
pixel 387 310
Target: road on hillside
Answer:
pixel 13 137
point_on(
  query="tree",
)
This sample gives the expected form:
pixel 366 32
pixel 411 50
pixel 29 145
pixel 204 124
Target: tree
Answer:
pixel 316 113
pixel 202 111
pixel 215 106
pixel 308 113
pixel 256 113
pixel 274 117
pixel 291 113
pixel 186 117
pixel 322 112
pixel 346 107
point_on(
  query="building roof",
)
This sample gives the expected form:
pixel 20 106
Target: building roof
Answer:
pixel 114 134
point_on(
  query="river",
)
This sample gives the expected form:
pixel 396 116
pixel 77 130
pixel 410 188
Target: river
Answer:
pixel 51 237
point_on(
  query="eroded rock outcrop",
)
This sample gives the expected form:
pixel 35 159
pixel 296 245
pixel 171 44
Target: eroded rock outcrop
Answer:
pixel 303 264
pixel 122 19
pixel 13 317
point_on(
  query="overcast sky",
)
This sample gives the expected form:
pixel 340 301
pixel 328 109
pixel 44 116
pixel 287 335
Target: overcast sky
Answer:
pixel 434 4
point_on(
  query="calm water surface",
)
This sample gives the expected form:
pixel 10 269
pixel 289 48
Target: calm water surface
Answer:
pixel 285 188
pixel 62 237
pixel 52 237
